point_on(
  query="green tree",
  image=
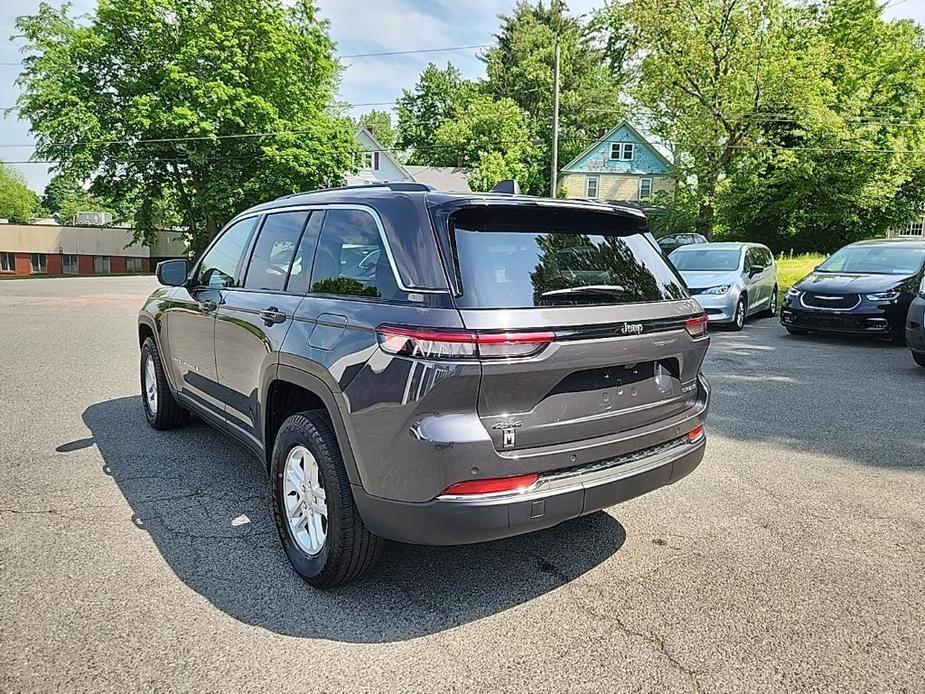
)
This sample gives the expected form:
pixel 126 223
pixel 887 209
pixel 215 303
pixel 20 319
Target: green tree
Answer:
pixel 592 72
pixel 707 69
pixel 492 136
pixel 17 202
pixel 848 170
pixel 380 123
pixel 214 104
pixel 425 107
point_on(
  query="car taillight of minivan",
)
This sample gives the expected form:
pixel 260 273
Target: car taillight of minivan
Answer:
pixel 696 326
pixel 454 344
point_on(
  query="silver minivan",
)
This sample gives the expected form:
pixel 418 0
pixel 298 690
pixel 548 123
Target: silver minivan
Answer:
pixel 731 281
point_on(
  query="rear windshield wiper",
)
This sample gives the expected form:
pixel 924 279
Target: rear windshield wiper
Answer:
pixel 587 289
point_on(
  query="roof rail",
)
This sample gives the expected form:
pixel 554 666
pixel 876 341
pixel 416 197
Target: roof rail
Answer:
pixel 397 187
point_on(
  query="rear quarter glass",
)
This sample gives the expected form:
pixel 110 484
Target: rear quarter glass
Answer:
pixel 505 258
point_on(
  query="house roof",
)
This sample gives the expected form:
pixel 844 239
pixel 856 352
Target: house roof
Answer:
pixel 635 131
pixel 382 149
pixel 450 179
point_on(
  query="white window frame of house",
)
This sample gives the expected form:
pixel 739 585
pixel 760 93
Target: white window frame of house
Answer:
pixel 649 194
pixel 365 160
pixel 133 265
pixel 104 262
pixel 39 263
pixel 7 262
pixel 597 187
pixel 70 264
pixel 916 227
pixel 622 151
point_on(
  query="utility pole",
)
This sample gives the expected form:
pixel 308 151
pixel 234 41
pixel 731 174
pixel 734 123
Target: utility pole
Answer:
pixel 553 174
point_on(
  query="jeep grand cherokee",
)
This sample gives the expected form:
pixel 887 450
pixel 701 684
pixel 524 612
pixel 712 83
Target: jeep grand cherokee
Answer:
pixel 432 368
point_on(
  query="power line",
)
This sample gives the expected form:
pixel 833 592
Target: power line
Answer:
pixel 419 50
pixel 445 49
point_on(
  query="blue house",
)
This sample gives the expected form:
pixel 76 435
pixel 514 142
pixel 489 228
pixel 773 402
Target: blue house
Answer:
pixel 622 165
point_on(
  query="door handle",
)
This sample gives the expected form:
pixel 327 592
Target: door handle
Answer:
pixel 207 306
pixel 272 316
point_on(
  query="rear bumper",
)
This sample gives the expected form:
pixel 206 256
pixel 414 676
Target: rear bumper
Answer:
pixel 557 497
pixel 915 325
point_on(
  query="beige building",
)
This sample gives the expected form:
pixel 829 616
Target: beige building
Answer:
pixel 40 249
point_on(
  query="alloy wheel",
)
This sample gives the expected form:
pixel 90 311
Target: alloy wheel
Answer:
pixel 306 501
pixel 150 384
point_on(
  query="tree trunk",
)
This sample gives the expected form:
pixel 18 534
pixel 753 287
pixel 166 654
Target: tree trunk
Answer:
pixel 705 220
pixel 707 210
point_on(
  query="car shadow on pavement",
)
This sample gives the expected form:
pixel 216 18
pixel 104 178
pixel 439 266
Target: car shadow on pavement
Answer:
pixel 204 501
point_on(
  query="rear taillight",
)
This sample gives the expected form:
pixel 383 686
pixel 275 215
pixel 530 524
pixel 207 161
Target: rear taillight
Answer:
pixel 695 434
pixel 453 344
pixel 493 486
pixel 696 326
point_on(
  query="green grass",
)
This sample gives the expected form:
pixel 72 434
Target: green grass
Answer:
pixel 791 269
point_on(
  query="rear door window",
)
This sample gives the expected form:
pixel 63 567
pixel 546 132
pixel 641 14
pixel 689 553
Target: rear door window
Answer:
pixel 351 259
pixel 509 259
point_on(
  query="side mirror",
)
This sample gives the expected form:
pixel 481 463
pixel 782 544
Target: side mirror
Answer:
pixel 755 270
pixel 172 273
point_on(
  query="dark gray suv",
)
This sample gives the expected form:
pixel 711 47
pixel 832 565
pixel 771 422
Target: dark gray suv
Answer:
pixel 432 368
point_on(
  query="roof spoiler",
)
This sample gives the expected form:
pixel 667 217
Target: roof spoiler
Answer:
pixel 508 186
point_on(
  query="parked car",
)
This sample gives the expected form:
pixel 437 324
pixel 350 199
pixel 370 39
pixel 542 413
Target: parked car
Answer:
pixel 731 281
pixel 915 326
pixel 864 288
pixel 511 363
pixel 673 241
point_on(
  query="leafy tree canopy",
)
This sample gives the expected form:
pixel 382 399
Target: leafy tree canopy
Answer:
pixel 380 123
pixel 519 73
pixel 591 74
pixel 213 104
pixel 491 135
pixel 425 107
pixel 850 168
pixel 17 202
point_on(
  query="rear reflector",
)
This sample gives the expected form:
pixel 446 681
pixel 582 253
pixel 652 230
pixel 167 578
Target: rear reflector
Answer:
pixel 455 344
pixel 694 435
pixel 697 326
pixel 499 484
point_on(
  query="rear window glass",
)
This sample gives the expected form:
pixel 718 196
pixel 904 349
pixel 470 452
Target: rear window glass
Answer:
pixel 504 264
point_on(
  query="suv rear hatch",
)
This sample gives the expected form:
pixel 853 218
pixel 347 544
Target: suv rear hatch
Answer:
pixel 614 341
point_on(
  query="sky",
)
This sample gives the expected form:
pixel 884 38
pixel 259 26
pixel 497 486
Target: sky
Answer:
pixel 358 26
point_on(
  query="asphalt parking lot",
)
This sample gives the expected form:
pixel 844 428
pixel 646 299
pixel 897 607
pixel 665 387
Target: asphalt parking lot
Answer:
pixel 793 559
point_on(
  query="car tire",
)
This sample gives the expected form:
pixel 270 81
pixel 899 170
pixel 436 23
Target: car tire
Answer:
pixel 160 406
pixel 771 310
pixel 797 331
pixel 316 517
pixel 919 358
pixel 738 318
